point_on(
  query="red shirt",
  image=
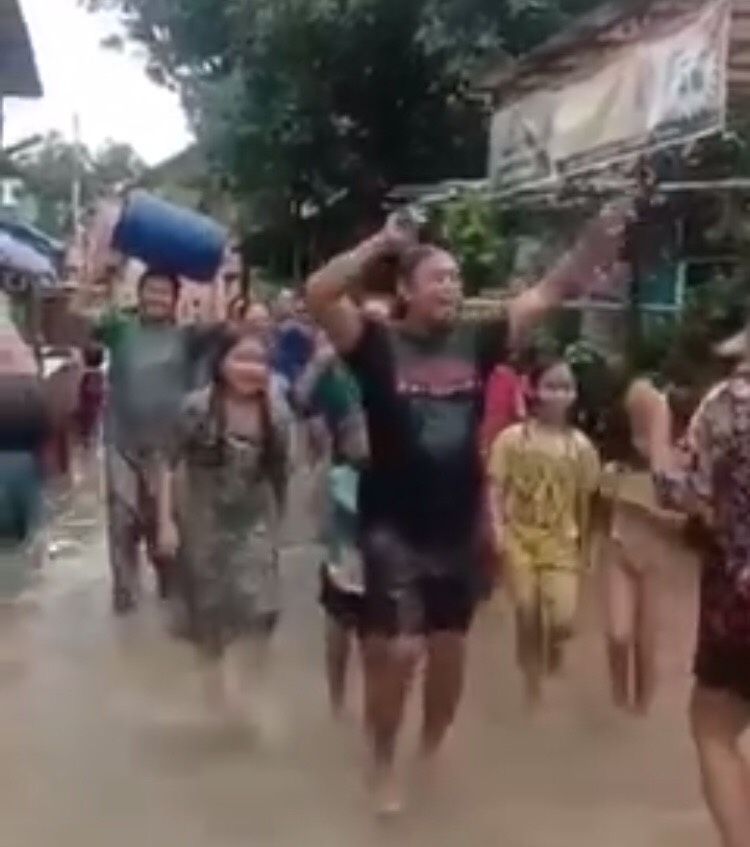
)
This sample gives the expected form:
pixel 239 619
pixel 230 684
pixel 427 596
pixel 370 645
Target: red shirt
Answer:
pixel 505 403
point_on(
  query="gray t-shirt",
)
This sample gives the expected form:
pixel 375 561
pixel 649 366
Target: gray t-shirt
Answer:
pixel 152 368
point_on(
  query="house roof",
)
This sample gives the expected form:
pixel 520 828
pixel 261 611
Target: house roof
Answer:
pixel 589 40
pixel 18 72
pixel 185 165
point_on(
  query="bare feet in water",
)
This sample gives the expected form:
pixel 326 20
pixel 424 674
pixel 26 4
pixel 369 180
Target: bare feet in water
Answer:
pixel 386 792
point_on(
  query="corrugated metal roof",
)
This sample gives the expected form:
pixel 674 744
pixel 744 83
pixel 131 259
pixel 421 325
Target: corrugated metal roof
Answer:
pixel 18 72
pixel 588 42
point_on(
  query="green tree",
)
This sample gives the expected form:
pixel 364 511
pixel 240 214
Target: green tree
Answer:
pixel 305 105
pixel 473 228
pixel 49 169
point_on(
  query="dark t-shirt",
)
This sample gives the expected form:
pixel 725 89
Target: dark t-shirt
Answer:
pixel 423 399
pixel 294 345
pixel 24 414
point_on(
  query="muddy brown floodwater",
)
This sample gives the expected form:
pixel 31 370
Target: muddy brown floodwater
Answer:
pixel 101 748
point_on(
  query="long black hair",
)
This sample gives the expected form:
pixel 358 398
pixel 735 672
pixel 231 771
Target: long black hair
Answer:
pixel 271 458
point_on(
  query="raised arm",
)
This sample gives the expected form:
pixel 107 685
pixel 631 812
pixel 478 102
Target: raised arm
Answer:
pixel 596 251
pixel 329 289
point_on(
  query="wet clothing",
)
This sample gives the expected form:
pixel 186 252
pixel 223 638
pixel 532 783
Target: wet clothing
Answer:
pixel 328 390
pixel 421 493
pixel 25 427
pixel 294 344
pixel 423 399
pixel 132 516
pixel 24 413
pixel 715 487
pixel 24 430
pixel 418 590
pixel 337 398
pixel 229 502
pixel 545 478
pixel 343 562
pixel 152 368
pixel 20 495
pixel 345 607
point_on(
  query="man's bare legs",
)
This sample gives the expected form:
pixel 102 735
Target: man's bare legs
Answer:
pixel 443 686
pixel 389 664
pixel 718 720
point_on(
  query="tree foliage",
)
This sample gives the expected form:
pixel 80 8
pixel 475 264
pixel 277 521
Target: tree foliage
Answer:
pixel 473 227
pixel 49 169
pixel 306 104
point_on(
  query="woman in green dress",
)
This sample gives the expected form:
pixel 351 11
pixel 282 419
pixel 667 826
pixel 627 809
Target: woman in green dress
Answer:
pixel 221 502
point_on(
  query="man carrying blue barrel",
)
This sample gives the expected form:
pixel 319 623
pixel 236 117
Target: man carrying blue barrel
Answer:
pixel 152 367
pixel 153 364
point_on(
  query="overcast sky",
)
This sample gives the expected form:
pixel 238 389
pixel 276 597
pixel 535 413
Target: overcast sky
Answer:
pixel 109 91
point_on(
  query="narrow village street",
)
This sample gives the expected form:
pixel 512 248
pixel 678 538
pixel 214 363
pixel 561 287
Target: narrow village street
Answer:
pixel 103 745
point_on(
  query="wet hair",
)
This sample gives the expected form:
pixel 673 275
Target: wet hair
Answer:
pixel 155 273
pixel 93 355
pixel 410 260
pixel 225 341
pixel 535 364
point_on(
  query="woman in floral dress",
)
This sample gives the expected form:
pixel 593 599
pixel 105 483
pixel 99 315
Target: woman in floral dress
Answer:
pixel 228 474
pixel 713 486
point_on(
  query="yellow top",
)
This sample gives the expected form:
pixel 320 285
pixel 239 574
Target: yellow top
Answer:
pixel 544 478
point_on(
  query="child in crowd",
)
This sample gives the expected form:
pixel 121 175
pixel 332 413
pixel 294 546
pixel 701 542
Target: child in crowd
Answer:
pixel 228 474
pixel 327 390
pixel 91 395
pixel 628 571
pixel 543 473
pixel 631 545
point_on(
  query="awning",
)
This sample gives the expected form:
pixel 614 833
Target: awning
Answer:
pixel 19 258
pixel 18 73
pixel 665 88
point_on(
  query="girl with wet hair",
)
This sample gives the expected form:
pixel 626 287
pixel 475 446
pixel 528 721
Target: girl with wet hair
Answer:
pixel 543 473
pixel 228 470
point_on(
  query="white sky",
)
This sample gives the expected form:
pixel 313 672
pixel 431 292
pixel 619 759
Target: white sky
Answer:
pixel 108 90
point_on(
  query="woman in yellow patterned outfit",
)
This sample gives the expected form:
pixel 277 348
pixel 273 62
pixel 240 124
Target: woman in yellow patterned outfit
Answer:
pixel 543 473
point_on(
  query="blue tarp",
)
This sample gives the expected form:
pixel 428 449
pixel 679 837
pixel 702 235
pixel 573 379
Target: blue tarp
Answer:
pixel 28 253
pixel 40 241
pixel 19 257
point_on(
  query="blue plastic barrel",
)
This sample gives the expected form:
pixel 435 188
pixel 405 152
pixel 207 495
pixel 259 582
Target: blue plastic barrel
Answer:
pixel 170 238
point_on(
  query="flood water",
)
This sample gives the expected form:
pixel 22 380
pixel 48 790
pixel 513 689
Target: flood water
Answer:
pixel 102 746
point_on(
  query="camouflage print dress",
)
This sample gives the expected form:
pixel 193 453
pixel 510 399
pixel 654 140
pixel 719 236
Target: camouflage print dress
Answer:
pixel 230 492
pixel 715 487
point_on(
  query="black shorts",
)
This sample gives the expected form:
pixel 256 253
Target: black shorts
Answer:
pixel 345 607
pixel 724 668
pixel 413 590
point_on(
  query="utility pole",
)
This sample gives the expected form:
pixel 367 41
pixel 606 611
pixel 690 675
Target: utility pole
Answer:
pixel 75 188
